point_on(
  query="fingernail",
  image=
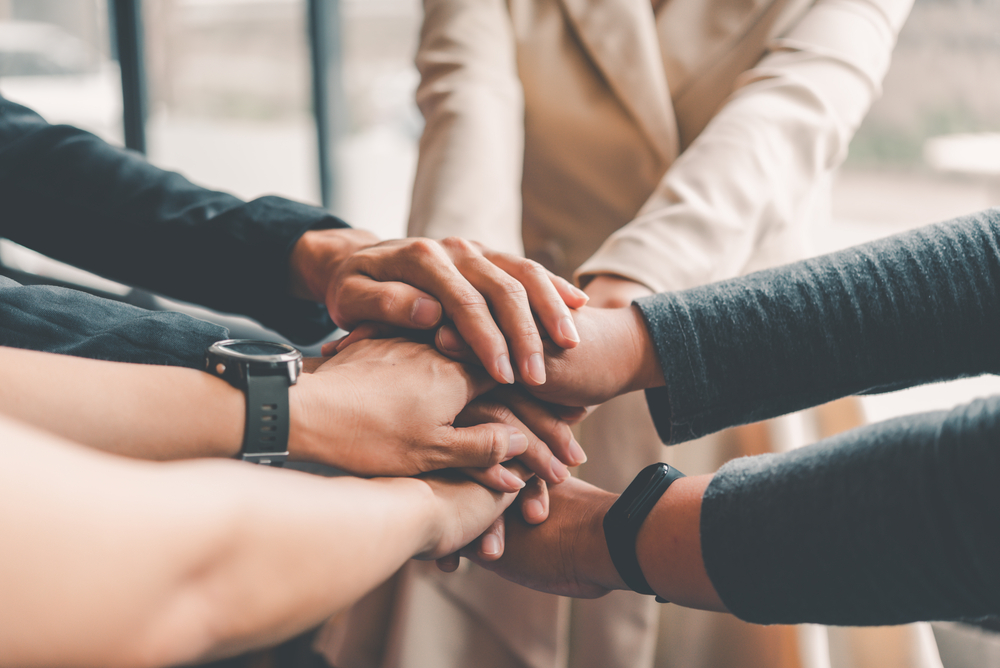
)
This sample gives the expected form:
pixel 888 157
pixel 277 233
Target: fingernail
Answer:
pixel 425 312
pixel 580 293
pixel 568 329
pixel 506 371
pixel 577 453
pixel 449 340
pixel 491 544
pixel 532 509
pixel 536 368
pixel 517 444
pixel 559 470
pixel 511 480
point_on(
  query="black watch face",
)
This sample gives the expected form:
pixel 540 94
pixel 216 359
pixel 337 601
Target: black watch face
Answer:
pixel 255 351
pixel 257 348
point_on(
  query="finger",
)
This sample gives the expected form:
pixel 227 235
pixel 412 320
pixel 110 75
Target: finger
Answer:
pixel 572 295
pixel 425 264
pixel 541 420
pixel 362 298
pixel 496 477
pixel 329 349
pixel 365 330
pixel 536 456
pixel 534 500
pixel 451 344
pixel 479 446
pixel 571 414
pixel 490 544
pixel 448 564
pixel 508 301
pixel 544 297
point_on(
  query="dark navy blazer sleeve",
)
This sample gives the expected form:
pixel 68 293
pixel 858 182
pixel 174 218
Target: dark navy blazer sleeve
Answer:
pixel 886 524
pixel 72 322
pixel 72 196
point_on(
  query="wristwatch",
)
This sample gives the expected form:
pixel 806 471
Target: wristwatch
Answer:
pixel 264 371
pixel 624 519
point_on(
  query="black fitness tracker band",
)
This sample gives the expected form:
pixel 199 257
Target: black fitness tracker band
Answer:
pixel 264 371
pixel 624 519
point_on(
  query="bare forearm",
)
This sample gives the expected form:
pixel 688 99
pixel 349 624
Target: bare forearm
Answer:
pixel 669 547
pixel 153 412
pixel 182 560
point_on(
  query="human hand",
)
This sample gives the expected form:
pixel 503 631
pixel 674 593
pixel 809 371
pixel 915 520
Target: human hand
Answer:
pixel 610 291
pixel 551 445
pixel 566 555
pixel 461 510
pixel 616 355
pixel 416 283
pixel 388 407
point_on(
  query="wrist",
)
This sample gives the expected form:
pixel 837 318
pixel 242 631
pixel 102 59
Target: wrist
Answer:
pixel 317 256
pixel 230 404
pixel 645 363
pixel 668 547
pixel 595 559
pixel 321 419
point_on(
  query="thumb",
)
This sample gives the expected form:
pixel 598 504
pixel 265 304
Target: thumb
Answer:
pixel 481 446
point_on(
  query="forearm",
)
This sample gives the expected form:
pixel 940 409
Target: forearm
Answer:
pixel 800 335
pixel 669 547
pixel 74 197
pixel 71 322
pixel 886 524
pixel 160 565
pixel 146 411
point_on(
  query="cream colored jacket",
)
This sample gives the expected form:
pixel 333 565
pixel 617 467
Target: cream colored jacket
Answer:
pixel 673 149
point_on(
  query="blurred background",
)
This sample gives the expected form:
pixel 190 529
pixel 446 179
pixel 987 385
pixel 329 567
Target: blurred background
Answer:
pixel 230 103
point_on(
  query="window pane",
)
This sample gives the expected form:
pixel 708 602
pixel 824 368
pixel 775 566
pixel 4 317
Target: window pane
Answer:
pixel 378 155
pixel 928 151
pixel 230 94
pixel 55 58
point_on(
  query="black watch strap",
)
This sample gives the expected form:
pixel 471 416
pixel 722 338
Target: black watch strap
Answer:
pixel 624 519
pixel 265 437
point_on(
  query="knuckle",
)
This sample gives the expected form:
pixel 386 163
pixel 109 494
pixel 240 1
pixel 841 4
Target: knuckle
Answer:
pixel 496 447
pixel 423 247
pixel 511 287
pixel 497 413
pixel 433 457
pixel 534 269
pixel 386 301
pixel 469 298
pixel 459 244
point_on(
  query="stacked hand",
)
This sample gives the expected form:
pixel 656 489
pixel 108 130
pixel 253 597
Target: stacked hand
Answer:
pixel 408 411
pixel 420 283
pixel 615 356
pixel 397 407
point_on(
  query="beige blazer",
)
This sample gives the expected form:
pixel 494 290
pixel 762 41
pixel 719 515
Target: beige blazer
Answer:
pixel 674 149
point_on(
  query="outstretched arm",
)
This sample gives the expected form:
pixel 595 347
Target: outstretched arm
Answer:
pixel 163 564
pixel 70 195
pixel 384 407
pixel 886 524
pixel 917 307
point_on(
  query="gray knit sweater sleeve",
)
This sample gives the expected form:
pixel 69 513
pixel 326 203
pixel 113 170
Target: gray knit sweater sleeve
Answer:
pixel 886 524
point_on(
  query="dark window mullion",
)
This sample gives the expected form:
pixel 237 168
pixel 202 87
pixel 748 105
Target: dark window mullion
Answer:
pixel 128 37
pixel 328 92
